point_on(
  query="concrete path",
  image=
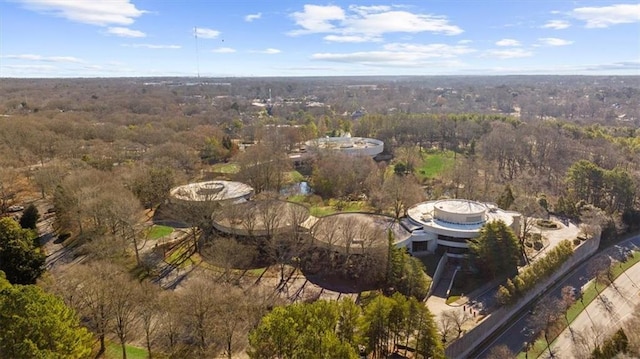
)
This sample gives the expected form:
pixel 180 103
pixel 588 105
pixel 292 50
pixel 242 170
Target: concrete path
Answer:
pixel 602 316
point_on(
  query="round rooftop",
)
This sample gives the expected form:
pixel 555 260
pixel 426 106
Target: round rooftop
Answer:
pixel 357 230
pixel 456 217
pixel 349 145
pixel 460 211
pixel 211 191
pixel 260 218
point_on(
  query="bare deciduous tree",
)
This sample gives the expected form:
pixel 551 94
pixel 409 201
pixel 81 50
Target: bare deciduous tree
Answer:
pixel 459 318
pixel 500 352
pixel 228 253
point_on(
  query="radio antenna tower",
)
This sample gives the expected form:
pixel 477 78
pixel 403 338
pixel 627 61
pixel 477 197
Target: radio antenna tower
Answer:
pixel 195 34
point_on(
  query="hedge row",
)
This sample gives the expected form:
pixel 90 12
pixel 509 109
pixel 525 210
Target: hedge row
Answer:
pixel 536 271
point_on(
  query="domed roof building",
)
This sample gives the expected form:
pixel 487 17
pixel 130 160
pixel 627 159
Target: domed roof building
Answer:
pixel 260 218
pixel 357 232
pixel 211 191
pixel 448 224
pixel 357 146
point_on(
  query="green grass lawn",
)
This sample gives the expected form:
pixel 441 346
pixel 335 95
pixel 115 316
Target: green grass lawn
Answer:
pixel 229 168
pixel 321 211
pixel 114 351
pixel 298 198
pixel 452 298
pixel 158 231
pixel 182 258
pixel 256 272
pixel 434 163
pixel 349 206
pixel 293 177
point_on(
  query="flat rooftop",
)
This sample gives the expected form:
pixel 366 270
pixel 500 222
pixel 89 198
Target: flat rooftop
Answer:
pixel 260 217
pixel 336 143
pixel 359 230
pixel 423 214
pixel 461 206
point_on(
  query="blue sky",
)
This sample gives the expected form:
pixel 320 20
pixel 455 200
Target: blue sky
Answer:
pixel 111 38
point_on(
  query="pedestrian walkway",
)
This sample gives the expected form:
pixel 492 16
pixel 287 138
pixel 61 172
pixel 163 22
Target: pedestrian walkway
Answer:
pixel 603 316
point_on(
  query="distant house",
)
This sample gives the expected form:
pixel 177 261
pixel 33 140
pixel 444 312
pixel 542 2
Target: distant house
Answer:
pixel 358 113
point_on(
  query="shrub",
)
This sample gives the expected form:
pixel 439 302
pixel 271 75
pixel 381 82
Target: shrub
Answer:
pixel 538 270
pixel 537 245
pixel 315 200
pixel 545 223
pixel 503 296
pixel 30 217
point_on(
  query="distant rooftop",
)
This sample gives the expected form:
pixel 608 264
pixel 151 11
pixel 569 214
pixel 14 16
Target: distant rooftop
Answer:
pixel 211 191
pixel 346 144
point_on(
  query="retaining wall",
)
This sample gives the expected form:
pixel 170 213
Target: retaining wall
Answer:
pixel 437 275
pixel 464 345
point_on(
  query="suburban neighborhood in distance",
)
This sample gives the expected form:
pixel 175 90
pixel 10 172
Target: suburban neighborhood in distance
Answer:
pixel 203 212
pixel 281 180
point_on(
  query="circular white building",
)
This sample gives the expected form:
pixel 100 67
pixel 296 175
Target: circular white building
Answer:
pixel 211 191
pixel 260 218
pixel 357 146
pixel 448 224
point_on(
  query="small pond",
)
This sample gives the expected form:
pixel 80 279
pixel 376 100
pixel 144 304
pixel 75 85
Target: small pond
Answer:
pixel 293 189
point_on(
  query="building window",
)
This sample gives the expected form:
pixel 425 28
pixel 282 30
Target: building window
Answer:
pixel 420 246
pixel 474 219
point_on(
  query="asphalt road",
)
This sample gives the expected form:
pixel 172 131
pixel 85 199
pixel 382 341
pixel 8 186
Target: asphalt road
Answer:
pixel 518 332
pixel 602 316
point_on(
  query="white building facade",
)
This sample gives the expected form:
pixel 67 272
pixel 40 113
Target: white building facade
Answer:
pixel 447 225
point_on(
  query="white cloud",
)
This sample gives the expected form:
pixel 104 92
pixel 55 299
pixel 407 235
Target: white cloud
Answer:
pixel 62 59
pixel 556 24
pixel 624 65
pixel 509 53
pixel 364 10
pixel 267 51
pixel 224 50
pixel 350 38
pixel 400 54
pixel 29 70
pixel 316 18
pixel 553 41
pixel 31 57
pixel 464 42
pixel 153 46
pixel 400 21
pixel 102 13
pixel 507 42
pixel 125 32
pixel 251 17
pixel 270 51
pixel 368 23
pixel 205 33
pixel 605 16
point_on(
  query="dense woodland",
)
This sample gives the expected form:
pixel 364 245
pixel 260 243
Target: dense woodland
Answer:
pixel 102 154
